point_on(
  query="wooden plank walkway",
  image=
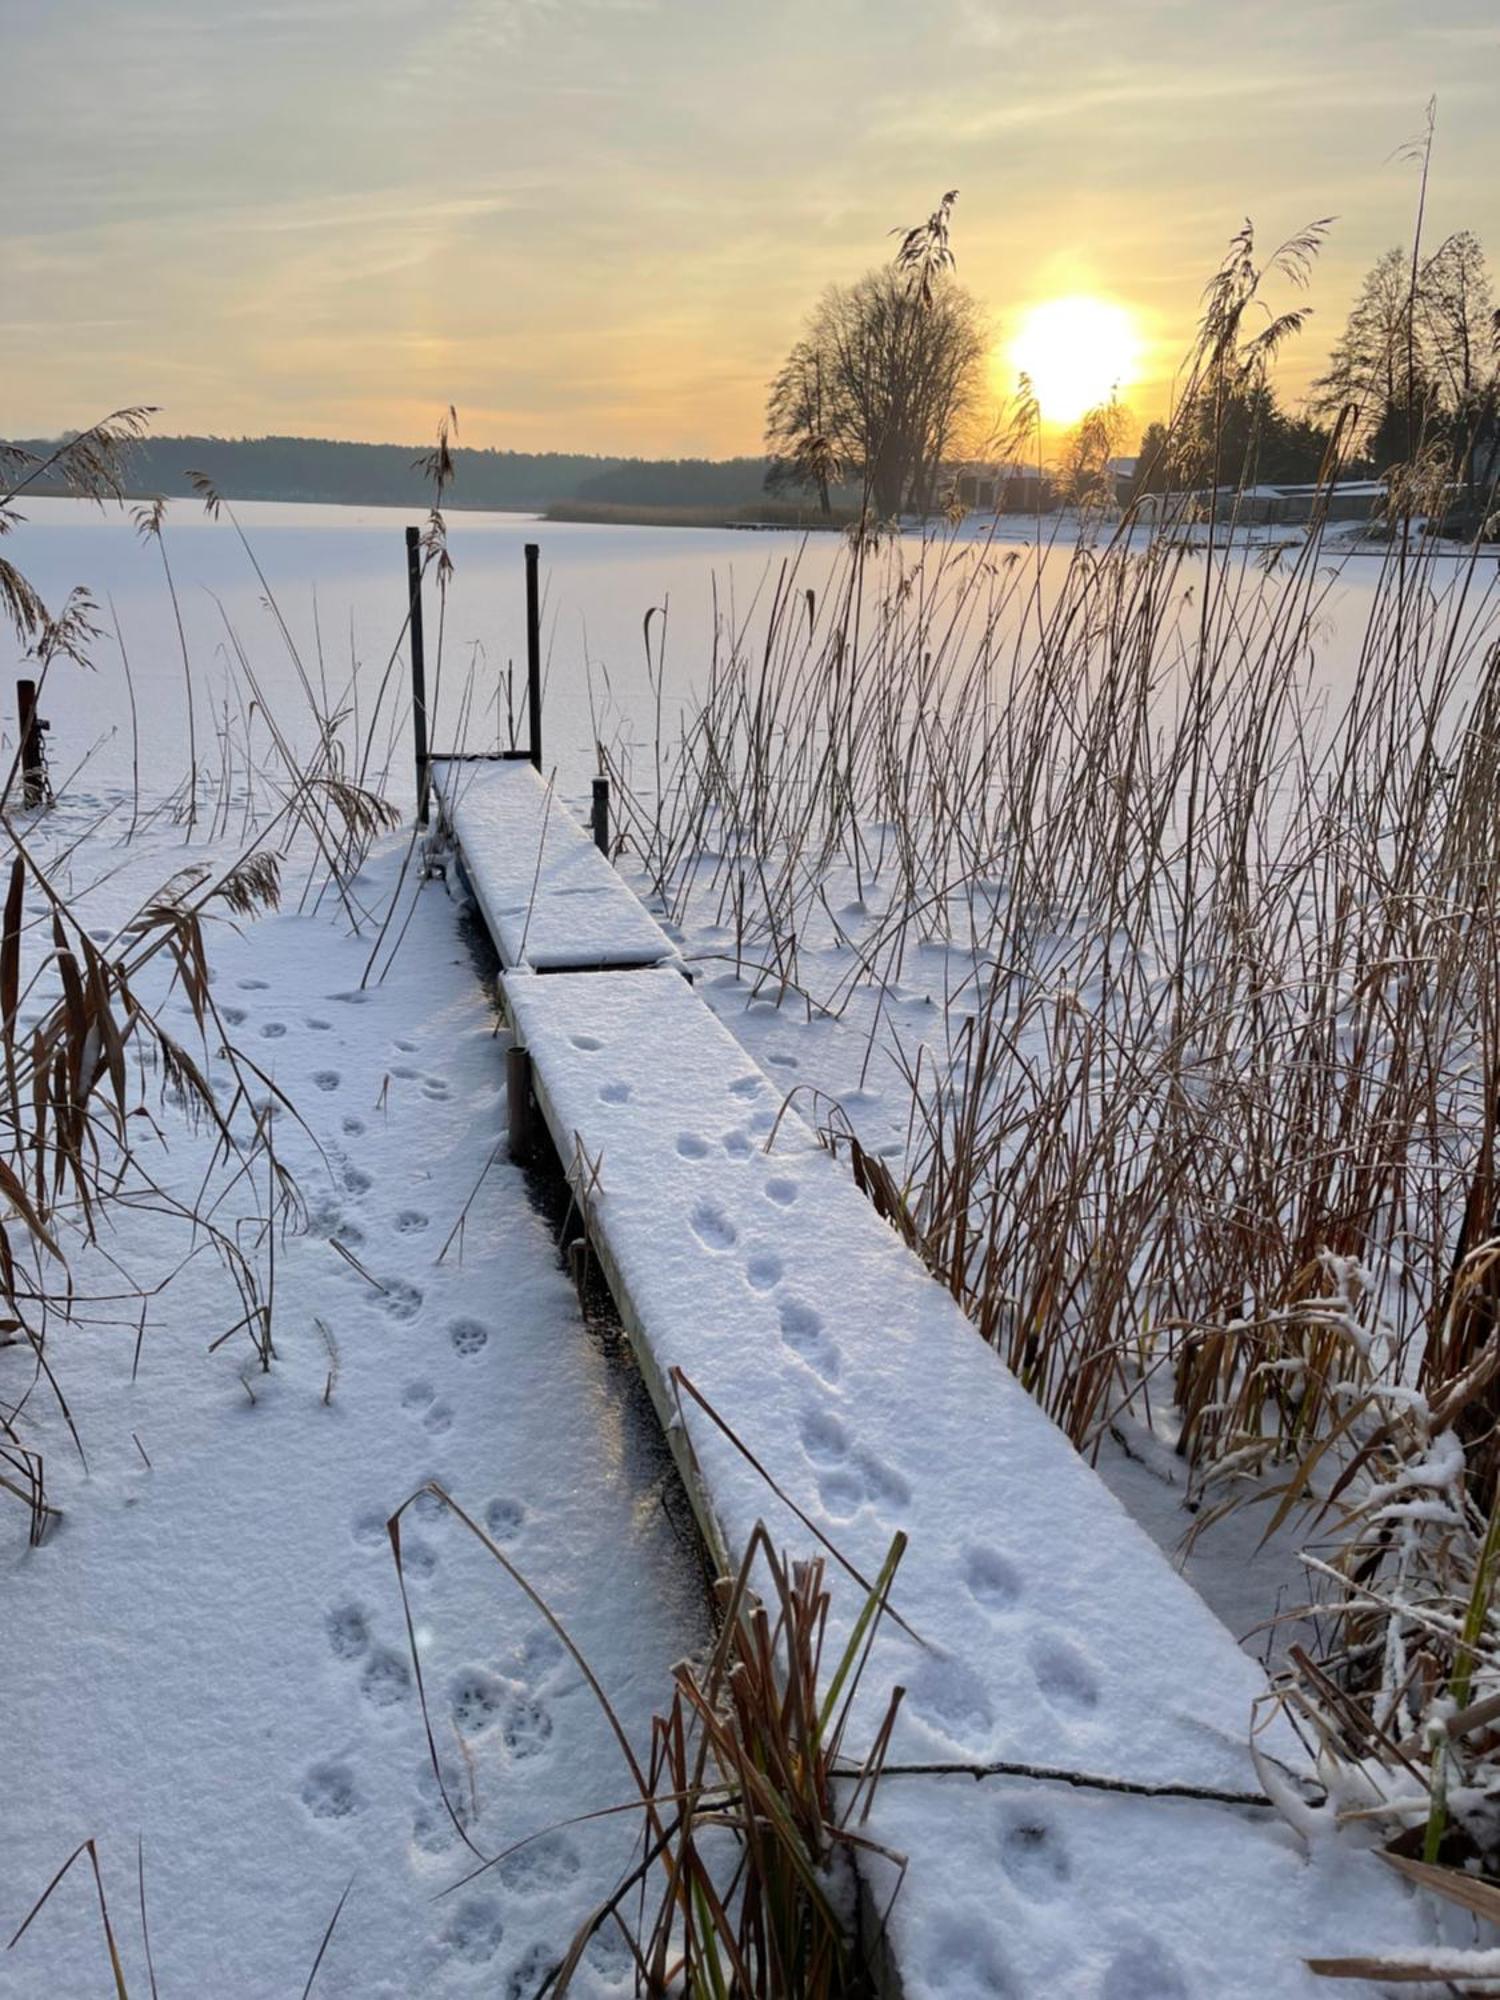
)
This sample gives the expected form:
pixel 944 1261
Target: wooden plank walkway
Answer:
pixel 550 899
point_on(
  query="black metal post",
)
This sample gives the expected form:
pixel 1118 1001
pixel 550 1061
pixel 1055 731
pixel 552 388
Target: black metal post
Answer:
pixel 418 670
pixel 600 816
pixel 33 763
pixel 534 654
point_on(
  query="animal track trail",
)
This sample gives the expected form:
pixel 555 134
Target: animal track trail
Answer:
pixel 329 1791
pixel 712 1226
pixel 802 1331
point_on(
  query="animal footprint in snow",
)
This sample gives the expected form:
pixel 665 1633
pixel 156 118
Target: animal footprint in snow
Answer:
pixel 252 985
pixel 824 1438
pixel 468 1336
pixel 233 1015
pixel 272 1031
pixel 745 1086
pixel 418 1559
pixel 436 1090
pixel 993 1582
pixel 965 1959
pixel 326 1079
pixel 737 1146
pixel 348 1628
pixel 547 1863
pixel 763 1270
pixel 802 1330
pixel 410 1222
pixel 369 1530
pixel 504 1518
pixel 783 1062
pixel 386 1680
pixel 417 1395
pixel 476 1699
pixel 782 1192
pixel 528 1727
pixel 1063 1675
pixel 614 1093
pixel 1033 1856
pixel 530 1974
pixel 356 1180
pixel 329 1792
pixel 712 1226
pixel 401 1301
pixel 317 1023
pixel 354 1127
pixel 474 1931
pixel 951 1697
pixel 1144 1971
pixel 586 1042
pixel 690 1146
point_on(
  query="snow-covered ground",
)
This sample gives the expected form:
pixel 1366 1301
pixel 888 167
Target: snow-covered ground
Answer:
pixel 208 1654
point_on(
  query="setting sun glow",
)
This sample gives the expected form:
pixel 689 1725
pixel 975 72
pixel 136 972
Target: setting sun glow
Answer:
pixel 1076 353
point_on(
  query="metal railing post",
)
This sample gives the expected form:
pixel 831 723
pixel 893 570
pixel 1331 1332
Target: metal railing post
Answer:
pixel 418 671
pixel 534 654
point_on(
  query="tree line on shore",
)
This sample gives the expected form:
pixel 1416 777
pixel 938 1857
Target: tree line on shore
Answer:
pixel 890 389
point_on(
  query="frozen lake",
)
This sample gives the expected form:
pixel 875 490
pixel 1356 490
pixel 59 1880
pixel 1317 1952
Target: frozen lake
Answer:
pixel 336 577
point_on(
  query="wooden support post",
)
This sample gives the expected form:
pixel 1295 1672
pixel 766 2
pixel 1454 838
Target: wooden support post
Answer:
pixel 578 1262
pixel 33 763
pixel 518 1106
pixel 599 818
pixel 418 672
pixel 534 654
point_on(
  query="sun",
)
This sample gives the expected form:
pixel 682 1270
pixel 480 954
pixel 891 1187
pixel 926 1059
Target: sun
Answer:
pixel 1077 353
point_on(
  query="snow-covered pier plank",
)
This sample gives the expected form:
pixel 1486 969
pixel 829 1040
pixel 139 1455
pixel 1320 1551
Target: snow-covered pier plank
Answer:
pixel 1058 1633
pixel 550 899
pixel 1051 1632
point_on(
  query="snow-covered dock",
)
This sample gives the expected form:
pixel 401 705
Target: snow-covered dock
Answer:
pixel 1071 1781
pixel 550 899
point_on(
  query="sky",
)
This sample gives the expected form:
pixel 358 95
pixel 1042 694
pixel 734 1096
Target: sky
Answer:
pixel 596 224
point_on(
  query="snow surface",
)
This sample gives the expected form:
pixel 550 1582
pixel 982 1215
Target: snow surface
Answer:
pixel 210 1652
pixel 549 898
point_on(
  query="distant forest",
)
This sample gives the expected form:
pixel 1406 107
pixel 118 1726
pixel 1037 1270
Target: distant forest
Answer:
pixel 389 475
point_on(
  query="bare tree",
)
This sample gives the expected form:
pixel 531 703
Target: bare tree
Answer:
pixel 884 380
